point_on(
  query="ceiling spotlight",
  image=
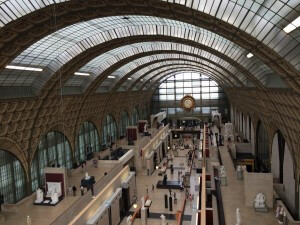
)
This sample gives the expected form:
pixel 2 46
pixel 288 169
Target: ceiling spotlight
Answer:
pixel 142 79
pixel 249 55
pixel 81 74
pixel 134 205
pixel 111 77
pixel 23 68
pixel 292 26
pixel 129 78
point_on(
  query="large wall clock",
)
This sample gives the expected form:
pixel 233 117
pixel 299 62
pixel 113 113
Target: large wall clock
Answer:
pixel 188 103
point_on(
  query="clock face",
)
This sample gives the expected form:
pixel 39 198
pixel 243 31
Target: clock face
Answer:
pixel 188 102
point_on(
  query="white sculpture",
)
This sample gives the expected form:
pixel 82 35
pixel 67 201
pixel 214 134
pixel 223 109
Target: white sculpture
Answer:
pixel 259 201
pixel 129 220
pixel 54 198
pixel 39 196
pixel 54 187
pixel 280 217
pixel 143 202
pixel 229 131
pixel 28 220
pixel 278 211
pixel 87 176
pixel 238 217
pixel 145 128
pixel 163 219
pixel 222 171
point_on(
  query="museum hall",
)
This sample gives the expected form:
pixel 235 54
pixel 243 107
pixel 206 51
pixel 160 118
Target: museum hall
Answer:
pixel 149 112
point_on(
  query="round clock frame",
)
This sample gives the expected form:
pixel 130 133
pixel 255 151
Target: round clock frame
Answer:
pixel 188 103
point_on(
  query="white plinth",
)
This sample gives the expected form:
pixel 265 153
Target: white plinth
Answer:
pixel 239 175
pixel 223 181
pixel 144 216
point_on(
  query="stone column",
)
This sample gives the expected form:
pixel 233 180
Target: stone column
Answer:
pixel 144 216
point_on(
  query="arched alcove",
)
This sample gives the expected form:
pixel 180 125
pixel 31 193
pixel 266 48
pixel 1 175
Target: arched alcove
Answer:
pixel 277 159
pixel 145 113
pixel 13 183
pixel 134 117
pixel 109 130
pixel 262 156
pixel 87 141
pixel 53 150
pixel 124 122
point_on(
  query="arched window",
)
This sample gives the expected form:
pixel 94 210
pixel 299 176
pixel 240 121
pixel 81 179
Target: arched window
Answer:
pixel 145 113
pixel 53 149
pixel 281 146
pixel 124 122
pixel 207 93
pixel 12 179
pixel 262 150
pixel 87 138
pixel 109 130
pixel 134 117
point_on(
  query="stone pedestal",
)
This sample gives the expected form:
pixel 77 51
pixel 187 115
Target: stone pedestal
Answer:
pixel 223 181
pixel 144 216
pixel 263 210
pixel 239 175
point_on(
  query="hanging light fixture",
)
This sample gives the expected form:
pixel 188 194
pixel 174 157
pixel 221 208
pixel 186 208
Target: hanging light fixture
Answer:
pixel 135 200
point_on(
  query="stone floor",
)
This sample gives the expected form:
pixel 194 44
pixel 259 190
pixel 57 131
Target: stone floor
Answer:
pixel 157 196
pixel 233 198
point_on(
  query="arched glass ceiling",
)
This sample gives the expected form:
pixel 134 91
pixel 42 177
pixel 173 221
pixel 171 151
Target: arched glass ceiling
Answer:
pixel 104 61
pixel 216 70
pixel 11 10
pixel 160 67
pixel 177 59
pixel 122 71
pixel 181 65
pixel 158 76
pixel 262 19
pixel 60 47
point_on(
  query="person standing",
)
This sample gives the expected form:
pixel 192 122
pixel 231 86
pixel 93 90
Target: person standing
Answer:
pixel 70 191
pixel 74 190
pixel 82 191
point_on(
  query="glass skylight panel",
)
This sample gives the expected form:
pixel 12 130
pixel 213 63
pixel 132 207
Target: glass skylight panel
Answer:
pixel 51 46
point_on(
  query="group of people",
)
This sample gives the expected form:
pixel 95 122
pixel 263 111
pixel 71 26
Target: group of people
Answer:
pixel 72 190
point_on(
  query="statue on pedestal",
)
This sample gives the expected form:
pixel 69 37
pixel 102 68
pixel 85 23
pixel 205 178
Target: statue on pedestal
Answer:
pixel 143 202
pixel 238 217
pixel 39 196
pixel 129 220
pixel 87 176
pixel 222 171
pixel 163 219
pixel 54 198
pixel 259 201
pixel 280 216
pixel 28 220
pixel 145 128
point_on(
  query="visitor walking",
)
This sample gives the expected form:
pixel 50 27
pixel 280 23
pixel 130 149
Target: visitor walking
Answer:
pixel 74 190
